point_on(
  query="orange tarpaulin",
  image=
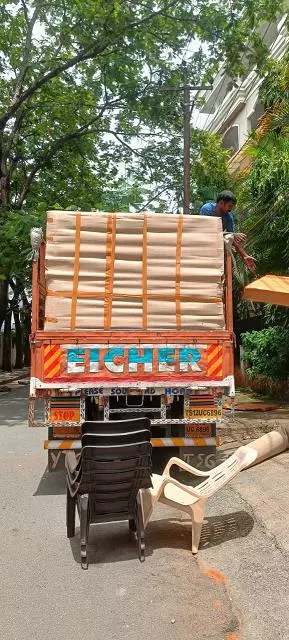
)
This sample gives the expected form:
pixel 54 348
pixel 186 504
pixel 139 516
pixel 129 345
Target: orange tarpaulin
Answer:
pixel 270 289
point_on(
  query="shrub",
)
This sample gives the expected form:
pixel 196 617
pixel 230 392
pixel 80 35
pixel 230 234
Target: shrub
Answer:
pixel 267 352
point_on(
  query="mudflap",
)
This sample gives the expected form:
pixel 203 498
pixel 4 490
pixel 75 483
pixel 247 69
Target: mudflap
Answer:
pixel 56 460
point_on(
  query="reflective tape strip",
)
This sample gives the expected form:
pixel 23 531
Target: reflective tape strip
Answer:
pixel 183 442
pixel 215 360
pixel 188 421
pixel 156 442
pixel 52 360
pixel 62 444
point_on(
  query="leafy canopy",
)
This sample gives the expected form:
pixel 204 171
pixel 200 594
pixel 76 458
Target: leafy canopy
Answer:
pixel 81 98
pixel 85 77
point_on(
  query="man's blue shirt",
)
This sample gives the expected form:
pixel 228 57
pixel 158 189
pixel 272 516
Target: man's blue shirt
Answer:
pixel 209 209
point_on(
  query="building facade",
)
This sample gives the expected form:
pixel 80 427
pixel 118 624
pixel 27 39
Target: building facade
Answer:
pixel 234 112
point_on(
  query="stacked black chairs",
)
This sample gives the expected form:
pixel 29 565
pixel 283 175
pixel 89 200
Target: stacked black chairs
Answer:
pixel 104 482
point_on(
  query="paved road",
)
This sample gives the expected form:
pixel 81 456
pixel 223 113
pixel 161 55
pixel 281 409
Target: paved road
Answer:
pixel 238 588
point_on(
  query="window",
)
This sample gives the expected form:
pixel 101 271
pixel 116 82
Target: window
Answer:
pixel 231 139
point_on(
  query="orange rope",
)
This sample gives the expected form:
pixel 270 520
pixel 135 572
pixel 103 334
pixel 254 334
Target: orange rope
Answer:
pixel 109 271
pixel 90 295
pixel 145 274
pixel 178 271
pixel 76 271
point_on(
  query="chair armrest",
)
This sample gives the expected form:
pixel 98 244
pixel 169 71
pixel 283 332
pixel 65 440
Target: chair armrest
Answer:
pixel 184 487
pixel 187 467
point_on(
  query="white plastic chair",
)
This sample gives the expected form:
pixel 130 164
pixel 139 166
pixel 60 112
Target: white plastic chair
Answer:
pixel 193 499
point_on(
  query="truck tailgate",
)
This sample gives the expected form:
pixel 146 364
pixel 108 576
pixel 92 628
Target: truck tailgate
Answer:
pixel 131 359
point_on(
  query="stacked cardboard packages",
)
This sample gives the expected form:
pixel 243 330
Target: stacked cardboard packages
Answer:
pixel 133 271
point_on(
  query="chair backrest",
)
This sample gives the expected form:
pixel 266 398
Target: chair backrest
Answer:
pixel 224 472
pixel 115 439
pixel 112 474
pixel 115 426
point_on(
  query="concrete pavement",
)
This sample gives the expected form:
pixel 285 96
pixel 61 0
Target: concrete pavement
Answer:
pixel 6 377
pixel 238 587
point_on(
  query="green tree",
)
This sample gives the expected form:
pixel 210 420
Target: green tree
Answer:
pixel 81 91
pixel 263 193
pixel 263 211
pixel 74 70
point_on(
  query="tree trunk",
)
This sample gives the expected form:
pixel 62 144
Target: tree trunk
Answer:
pixel 19 341
pixel 7 361
pixel 26 334
pixel 3 300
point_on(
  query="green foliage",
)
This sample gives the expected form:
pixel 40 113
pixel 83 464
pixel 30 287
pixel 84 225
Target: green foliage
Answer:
pixel 276 315
pixel 209 173
pixel 265 203
pixel 86 79
pixel 267 352
pixel 263 194
pixel 82 94
pixel 15 243
pixel 275 83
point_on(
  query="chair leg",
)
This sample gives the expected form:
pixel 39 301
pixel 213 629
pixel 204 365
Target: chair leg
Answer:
pixel 132 525
pixel 147 504
pixel 70 514
pixel 198 512
pixel 84 529
pixel 140 533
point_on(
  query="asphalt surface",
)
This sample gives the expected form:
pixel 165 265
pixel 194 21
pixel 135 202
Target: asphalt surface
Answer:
pixel 237 589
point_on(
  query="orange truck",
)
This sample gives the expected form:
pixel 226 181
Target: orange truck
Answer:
pixel 132 316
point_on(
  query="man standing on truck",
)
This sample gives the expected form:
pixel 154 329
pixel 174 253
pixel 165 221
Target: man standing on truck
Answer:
pixel 223 207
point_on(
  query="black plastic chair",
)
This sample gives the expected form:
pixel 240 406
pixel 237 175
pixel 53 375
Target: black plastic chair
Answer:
pixel 105 482
pixel 115 426
pixel 107 440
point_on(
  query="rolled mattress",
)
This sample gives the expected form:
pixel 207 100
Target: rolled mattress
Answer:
pixel 141 271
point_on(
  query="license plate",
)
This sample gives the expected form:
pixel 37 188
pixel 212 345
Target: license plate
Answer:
pixel 198 431
pixel 66 432
pixel 64 415
pixel 203 413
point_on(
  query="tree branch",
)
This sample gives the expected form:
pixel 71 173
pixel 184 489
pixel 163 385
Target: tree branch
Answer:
pixel 27 51
pixel 16 126
pixel 156 195
pixel 25 11
pixel 51 150
pixel 125 144
pixel 81 57
pixel 142 134
pixel 56 145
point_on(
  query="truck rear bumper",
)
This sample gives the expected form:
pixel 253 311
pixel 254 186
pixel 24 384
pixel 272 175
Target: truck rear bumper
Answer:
pixel 161 387
pixel 64 445
pixel 201 452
